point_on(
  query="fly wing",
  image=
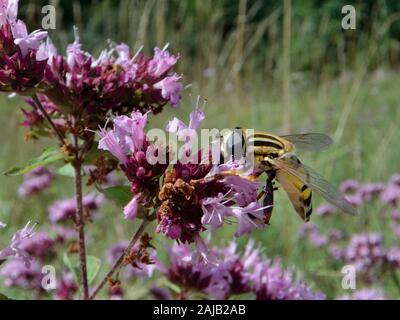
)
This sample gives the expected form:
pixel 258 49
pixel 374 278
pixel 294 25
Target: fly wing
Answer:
pixel 309 141
pixel 293 167
pixel 299 194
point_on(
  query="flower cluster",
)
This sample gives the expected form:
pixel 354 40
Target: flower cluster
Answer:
pixel 364 251
pixel 22 64
pixel 66 287
pixel 117 81
pixel 391 193
pixel 36 181
pixel 34 118
pixel 233 274
pixel 32 251
pixel 364 294
pixel 65 209
pixel 193 196
pixel 358 194
pixel 127 141
pixel 17 274
pixel 14 249
pixel 23 271
pixel 41 246
pixel 372 253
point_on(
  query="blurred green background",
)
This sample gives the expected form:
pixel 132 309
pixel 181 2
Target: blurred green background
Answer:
pixel 254 73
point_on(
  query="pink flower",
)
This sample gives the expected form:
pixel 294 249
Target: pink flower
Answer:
pixel 203 254
pixel 8 11
pixel 128 136
pixel 116 81
pixel 371 190
pixel 184 270
pixel 175 126
pixel 349 186
pixel 15 247
pixel 131 209
pixel 313 234
pixel 391 194
pixel 66 287
pixel 27 41
pixel 318 239
pixel 123 52
pixel 17 274
pixel 364 294
pixel 65 209
pixel 40 246
pixel 130 131
pixel 74 52
pixel 110 142
pixel 171 89
pixel 393 257
pixel 355 199
pixel 46 51
pixel 326 210
pixel 396 229
pixel 395 179
pixel 215 211
pixel 196 118
pixel 365 251
pixel 36 181
pixel 336 252
pixel 169 228
pixel 395 215
pixel 64 234
pixel 272 282
pixel 162 62
pixel 185 132
pixel 233 273
pixel 244 190
pixel 20 70
pixel 249 218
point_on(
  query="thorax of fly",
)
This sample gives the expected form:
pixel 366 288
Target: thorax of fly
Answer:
pixel 258 145
pixel 264 146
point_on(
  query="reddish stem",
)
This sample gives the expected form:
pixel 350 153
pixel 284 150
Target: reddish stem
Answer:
pixel 48 118
pixel 79 220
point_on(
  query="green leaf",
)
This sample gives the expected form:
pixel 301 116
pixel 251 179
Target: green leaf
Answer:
pixel 72 266
pixel 66 171
pixel 4 297
pixel 164 282
pixel 94 153
pixel 122 195
pixel 93 268
pixel 49 155
pixel 93 265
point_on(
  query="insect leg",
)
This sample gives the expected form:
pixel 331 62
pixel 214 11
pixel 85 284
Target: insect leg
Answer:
pixel 268 200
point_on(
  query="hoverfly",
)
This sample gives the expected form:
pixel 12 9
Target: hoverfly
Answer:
pixel 275 156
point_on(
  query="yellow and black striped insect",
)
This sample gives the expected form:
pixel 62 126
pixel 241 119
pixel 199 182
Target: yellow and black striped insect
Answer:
pixel 275 156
